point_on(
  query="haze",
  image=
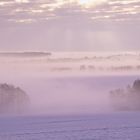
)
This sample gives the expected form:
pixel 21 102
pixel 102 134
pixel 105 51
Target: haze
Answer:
pixel 69 83
pixel 103 26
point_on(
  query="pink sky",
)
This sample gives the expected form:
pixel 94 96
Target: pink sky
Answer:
pixel 69 25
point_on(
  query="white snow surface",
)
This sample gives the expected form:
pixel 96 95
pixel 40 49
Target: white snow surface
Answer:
pixel 112 126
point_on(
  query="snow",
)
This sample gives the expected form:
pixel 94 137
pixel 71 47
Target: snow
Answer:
pixel 111 126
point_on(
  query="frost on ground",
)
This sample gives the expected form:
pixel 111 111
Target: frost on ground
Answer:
pixel 115 126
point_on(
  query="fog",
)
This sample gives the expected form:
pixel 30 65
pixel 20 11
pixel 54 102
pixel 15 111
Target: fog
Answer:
pixel 64 92
pixel 67 95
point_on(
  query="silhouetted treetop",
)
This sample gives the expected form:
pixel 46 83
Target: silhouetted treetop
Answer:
pixel 12 99
pixel 136 85
pixel 128 98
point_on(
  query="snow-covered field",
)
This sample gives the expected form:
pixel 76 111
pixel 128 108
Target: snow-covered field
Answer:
pixel 112 126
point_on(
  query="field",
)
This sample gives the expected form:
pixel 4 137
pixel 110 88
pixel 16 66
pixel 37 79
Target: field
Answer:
pixel 112 126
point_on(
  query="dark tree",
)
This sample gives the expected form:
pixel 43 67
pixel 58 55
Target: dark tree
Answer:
pixel 12 99
pixel 136 85
pixel 128 98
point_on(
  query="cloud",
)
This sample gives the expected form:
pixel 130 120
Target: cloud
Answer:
pixel 30 11
pixel 75 25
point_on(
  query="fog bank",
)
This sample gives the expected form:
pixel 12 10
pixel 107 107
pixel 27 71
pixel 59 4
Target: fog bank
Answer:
pixel 66 91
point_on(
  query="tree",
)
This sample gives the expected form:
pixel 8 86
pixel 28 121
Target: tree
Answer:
pixel 128 98
pixel 136 85
pixel 12 99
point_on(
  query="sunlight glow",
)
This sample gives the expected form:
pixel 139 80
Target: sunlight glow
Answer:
pixel 90 3
pixel 22 1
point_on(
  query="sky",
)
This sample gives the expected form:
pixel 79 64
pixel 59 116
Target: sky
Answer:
pixel 69 25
